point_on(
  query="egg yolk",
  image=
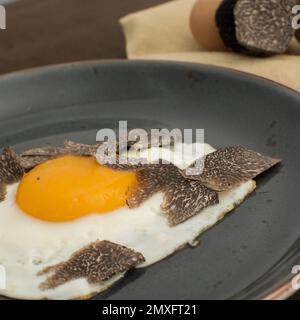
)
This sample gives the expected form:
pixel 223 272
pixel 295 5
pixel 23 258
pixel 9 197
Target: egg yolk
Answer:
pixel 70 187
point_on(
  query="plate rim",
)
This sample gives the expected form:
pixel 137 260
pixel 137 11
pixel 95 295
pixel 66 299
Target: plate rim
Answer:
pixel 94 62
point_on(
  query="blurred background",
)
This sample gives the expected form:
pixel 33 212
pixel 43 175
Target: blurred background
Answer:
pixel 41 32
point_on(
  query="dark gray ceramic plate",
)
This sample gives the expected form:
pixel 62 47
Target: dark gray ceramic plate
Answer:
pixel 251 252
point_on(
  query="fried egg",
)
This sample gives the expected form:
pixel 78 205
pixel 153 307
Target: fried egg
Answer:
pixel 67 203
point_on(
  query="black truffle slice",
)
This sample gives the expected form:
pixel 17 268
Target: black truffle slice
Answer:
pixel 264 26
pixel 114 162
pixel 156 138
pixel 150 180
pixel 11 170
pixel 47 151
pixel 80 149
pixel 186 198
pixel 33 157
pixel 110 158
pixel 183 198
pixel 2 191
pixel 227 168
pixel 225 22
pixel 97 262
pixel 70 147
pixel 29 162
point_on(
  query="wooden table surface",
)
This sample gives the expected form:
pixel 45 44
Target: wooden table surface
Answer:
pixel 43 32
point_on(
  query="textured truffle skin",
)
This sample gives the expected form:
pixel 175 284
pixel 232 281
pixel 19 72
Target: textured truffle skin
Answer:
pixel 229 167
pixel 47 151
pixel 183 198
pixel 2 191
pixel 29 162
pixel 115 162
pixel 97 262
pixel 184 195
pixel 226 25
pixel 264 26
pixel 186 198
pixel 33 157
pixel 150 180
pixel 11 170
pixel 81 149
pixel 157 138
pixel 70 147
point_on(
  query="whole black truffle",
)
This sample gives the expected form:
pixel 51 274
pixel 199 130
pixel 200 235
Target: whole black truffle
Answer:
pixel 256 27
pixel 264 26
pixel 226 25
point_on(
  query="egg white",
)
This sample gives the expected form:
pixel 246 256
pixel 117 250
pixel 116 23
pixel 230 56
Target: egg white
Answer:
pixel 28 245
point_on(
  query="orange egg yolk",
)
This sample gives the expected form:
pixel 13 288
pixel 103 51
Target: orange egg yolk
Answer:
pixel 70 187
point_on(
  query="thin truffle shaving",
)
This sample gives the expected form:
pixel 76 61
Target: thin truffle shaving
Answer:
pixel 70 147
pixel 81 149
pixel 29 162
pixel 36 156
pixel 112 155
pixel 139 139
pixel 183 198
pixel 2 191
pixel 11 170
pixel 151 179
pixel 183 195
pixel 227 168
pixel 97 262
pixel 33 157
pixel 147 185
pixel 47 151
pixel 107 155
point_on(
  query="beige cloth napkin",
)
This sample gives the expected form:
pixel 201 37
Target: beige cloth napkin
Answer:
pixel 163 33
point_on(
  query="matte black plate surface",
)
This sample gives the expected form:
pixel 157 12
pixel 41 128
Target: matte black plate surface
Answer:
pixel 253 250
